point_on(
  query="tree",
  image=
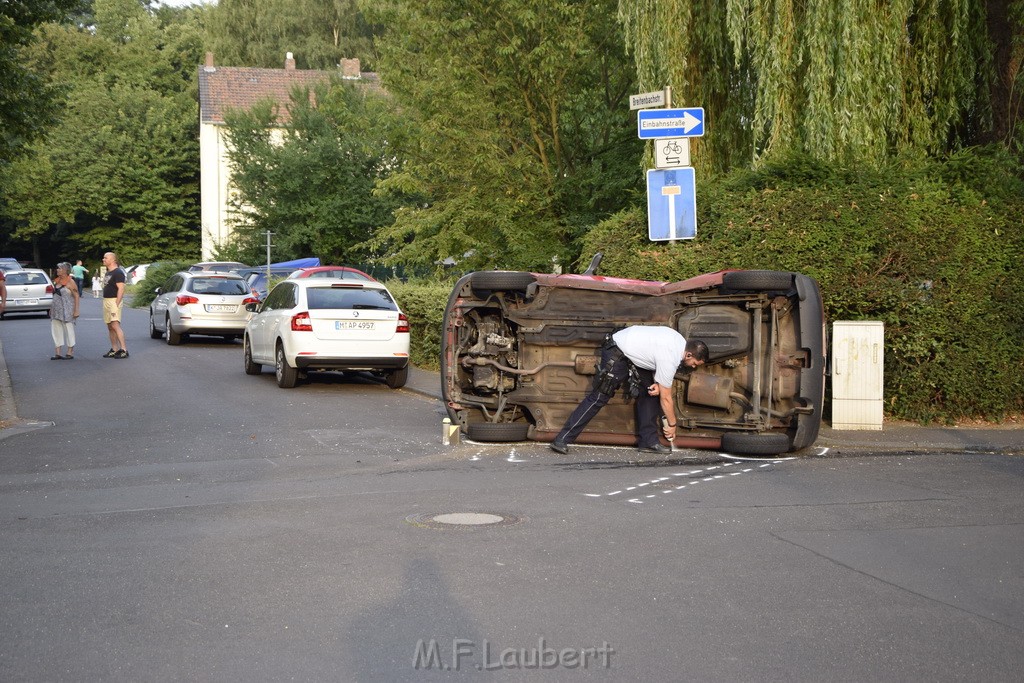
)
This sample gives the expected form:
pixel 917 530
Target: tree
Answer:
pixel 27 102
pixel 522 138
pixel 310 181
pixel 121 168
pixel 843 81
pixel 319 33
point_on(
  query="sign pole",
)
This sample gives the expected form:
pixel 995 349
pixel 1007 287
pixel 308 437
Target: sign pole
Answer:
pixel 671 200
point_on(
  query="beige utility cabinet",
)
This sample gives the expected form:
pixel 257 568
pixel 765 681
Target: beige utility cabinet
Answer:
pixel 857 362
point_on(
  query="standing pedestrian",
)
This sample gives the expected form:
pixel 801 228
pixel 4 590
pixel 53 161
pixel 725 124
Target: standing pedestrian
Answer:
pixel 97 287
pixel 652 355
pixel 3 292
pixel 113 301
pixel 64 312
pixel 78 272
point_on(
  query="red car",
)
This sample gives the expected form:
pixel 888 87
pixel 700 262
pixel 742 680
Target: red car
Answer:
pixel 519 351
pixel 342 272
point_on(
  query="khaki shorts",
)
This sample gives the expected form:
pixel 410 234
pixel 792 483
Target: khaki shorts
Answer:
pixel 111 311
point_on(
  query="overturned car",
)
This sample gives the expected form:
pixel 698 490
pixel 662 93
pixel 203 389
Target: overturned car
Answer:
pixel 520 350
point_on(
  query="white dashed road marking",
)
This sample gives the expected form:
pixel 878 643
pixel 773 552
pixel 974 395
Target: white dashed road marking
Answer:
pixel 709 471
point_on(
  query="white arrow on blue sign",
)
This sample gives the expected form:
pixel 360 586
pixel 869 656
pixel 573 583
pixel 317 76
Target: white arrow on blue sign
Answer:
pixel 670 123
pixel 671 204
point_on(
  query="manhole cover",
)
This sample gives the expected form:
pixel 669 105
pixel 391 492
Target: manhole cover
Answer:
pixel 461 520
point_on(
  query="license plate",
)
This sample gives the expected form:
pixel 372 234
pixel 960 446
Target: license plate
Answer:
pixel 353 325
pixel 220 308
pixel 27 302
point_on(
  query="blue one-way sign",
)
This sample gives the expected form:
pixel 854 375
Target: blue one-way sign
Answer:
pixel 670 123
pixel 671 204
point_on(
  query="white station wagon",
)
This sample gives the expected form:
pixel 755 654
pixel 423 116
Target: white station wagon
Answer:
pixel 327 324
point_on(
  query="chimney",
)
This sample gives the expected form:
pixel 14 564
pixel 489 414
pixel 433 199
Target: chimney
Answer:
pixel 289 62
pixel 209 59
pixel 350 68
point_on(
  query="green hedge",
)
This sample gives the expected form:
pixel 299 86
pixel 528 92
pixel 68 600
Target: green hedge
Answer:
pixel 931 249
pixel 424 303
pixel 142 293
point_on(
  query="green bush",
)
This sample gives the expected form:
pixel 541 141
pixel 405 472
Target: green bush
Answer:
pixel 142 293
pixel 423 302
pixel 932 249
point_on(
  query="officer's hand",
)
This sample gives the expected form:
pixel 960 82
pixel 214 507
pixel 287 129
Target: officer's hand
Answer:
pixel 654 389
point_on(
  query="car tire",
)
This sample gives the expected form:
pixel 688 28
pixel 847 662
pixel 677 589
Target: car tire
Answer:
pixel 500 281
pixel 286 375
pixel 396 379
pixel 173 338
pixel 497 431
pixel 153 332
pixel 758 280
pixel 251 368
pixel 755 444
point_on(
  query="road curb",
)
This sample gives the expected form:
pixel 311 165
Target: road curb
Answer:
pixel 8 408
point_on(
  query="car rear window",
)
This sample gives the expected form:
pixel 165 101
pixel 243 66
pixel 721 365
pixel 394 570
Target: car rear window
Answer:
pixel 217 285
pixel 26 279
pixel 338 297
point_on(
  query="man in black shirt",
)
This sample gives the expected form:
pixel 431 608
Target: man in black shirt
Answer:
pixel 113 297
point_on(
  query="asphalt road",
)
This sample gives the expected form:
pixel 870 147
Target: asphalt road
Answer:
pixel 181 520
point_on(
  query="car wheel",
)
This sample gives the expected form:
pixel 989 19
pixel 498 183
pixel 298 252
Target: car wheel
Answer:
pixel 500 281
pixel 396 379
pixel 758 280
pixel 251 368
pixel 153 332
pixel 173 338
pixel 497 431
pixel 287 376
pixel 755 444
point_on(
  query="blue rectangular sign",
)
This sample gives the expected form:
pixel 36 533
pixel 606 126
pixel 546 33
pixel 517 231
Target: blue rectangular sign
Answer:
pixel 670 123
pixel 671 204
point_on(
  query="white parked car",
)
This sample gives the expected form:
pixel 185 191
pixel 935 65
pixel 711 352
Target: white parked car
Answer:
pixel 28 291
pixel 324 324
pixel 205 303
pixel 137 274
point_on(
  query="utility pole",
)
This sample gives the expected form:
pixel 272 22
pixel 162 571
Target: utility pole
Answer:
pixel 269 235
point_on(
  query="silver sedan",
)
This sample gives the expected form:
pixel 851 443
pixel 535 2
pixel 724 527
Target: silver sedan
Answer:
pixel 205 303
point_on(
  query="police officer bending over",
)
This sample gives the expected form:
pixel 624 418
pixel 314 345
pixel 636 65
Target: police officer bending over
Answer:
pixel 648 357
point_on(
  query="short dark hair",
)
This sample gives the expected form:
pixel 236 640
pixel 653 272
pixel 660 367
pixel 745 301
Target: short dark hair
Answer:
pixel 698 349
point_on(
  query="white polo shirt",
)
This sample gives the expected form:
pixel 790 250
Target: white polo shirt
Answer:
pixel 656 348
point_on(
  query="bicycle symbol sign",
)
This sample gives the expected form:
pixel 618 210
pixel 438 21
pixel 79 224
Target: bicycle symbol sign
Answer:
pixel 672 153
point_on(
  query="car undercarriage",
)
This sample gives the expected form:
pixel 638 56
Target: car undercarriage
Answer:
pixel 520 350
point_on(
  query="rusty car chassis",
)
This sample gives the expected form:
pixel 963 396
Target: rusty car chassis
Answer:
pixel 520 350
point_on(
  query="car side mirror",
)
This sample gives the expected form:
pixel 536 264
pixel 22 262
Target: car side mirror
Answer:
pixel 159 290
pixel 252 308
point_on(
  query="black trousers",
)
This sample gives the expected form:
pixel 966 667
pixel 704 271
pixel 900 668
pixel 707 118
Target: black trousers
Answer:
pixel 648 408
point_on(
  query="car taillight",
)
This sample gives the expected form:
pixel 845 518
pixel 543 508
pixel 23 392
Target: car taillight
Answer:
pixel 403 323
pixel 185 300
pixel 49 289
pixel 251 300
pixel 301 323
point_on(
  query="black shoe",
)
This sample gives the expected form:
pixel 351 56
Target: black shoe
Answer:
pixel 121 354
pixel 656 448
pixel 109 354
pixel 559 447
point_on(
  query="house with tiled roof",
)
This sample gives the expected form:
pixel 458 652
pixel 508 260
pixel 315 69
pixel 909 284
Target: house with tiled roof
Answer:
pixel 224 88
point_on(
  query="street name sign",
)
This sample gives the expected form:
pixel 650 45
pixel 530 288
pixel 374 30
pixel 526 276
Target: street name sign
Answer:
pixel 671 204
pixel 671 152
pixel 647 99
pixel 670 123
